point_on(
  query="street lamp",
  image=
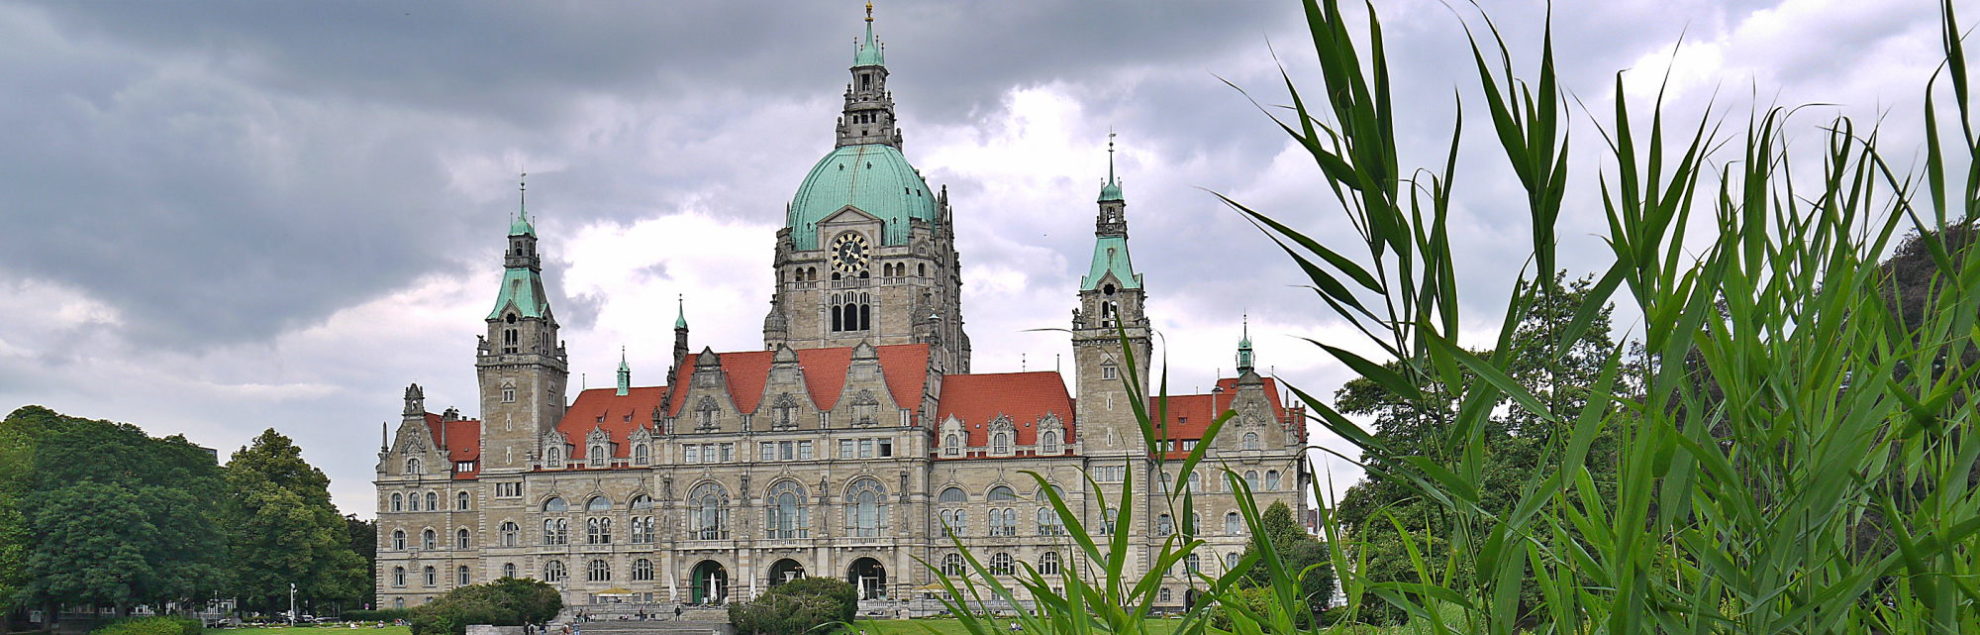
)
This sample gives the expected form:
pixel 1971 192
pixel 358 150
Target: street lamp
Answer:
pixel 292 604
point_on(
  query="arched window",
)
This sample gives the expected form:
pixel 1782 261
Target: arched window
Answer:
pixel 432 576
pixel 1233 525
pixel 952 564
pixel 1001 493
pixel 952 445
pixel 412 502
pixel 461 501
pixel 1000 563
pixel 556 531
pixel 1193 563
pixel 399 540
pixel 556 504
pixel 708 514
pixel 1195 482
pixel 429 540
pixel 461 576
pixel 509 570
pixel 642 501
pixel 1230 561
pixel 1000 443
pixel 1049 443
pixel 398 576
pixel 598 504
pixel 601 571
pixel 596 455
pixel 1164 525
pixel 553 571
pixel 954 521
pixel 412 466
pixel 1049 523
pixel 1272 480
pixel 1250 440
pixel 461 538
pixel 641 456
pixel 432 501
pixel 554 457
pixel 642 570
pixel 866 508
pixel 1003 522
pixel 785 516
pixel 642 529
pixel 398 503
pixel 953 495
pixel 1048 564
pixel 597 531
pixel 511 534
pixel 1251 479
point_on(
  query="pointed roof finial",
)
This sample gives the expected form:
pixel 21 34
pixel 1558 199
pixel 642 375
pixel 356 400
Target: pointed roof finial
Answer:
pixel 520 226
pixel 868 51
pixel 1111 191
pixel 869 10
pixel 625 373
pixel 680 311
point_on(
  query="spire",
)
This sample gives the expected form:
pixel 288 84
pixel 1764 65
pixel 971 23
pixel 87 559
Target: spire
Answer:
pixel 383 444
pixel 680 312
pixel 1111 191
pixel 519 226
pixel 625 373
pixel 1244 365
pixel 869 52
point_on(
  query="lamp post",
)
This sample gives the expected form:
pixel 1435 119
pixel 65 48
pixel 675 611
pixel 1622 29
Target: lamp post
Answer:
pixel 292 604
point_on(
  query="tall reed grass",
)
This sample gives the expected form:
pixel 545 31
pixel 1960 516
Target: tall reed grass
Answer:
pixel 1795 439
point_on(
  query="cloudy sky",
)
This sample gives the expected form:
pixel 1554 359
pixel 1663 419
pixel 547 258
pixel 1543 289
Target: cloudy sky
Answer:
pixel 223 217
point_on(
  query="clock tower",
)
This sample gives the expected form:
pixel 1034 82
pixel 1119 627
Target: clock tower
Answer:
pixel 867 252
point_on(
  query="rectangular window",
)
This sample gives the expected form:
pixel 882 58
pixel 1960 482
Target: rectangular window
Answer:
pixel 1188 444
pixel 691 454
pixel 886 447
pixel 707 453
pixel 804 450
pixel 1107 372
pixel 865 448
pixel 766 451
pixel 786 450
pixel 508 490
pixel 845 448
pixel 728 452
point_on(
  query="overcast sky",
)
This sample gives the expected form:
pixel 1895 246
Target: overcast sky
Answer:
pixel 217 218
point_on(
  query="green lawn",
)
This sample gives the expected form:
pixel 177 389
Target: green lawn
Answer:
pixel 954 627
pixel 311 630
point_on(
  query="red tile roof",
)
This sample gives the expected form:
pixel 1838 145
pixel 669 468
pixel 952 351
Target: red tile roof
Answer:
pixel 904 365
pixel 1189 416
pixel 618 415
pixel 463 438
pixel 975 400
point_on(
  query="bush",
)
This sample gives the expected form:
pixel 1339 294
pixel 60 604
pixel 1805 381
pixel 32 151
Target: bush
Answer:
pixel 152 626
pixel 796 607
pixel 504 602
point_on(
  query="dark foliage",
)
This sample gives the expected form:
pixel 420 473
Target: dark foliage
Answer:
pixel 799 606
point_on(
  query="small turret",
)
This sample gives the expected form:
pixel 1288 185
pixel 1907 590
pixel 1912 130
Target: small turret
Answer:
pixel 1244 361
pixel 680 330
pixel 415 401
pixel 625 374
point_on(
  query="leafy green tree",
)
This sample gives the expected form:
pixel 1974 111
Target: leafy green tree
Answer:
pixel 1302 553
pixel 504 602
pixel 116 518
pixel 364 541
pixel 282 528
pixel 796 607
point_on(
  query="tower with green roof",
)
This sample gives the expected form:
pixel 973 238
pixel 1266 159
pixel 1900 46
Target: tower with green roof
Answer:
pixel 522 366
pixel 867 252
pixel 1111 302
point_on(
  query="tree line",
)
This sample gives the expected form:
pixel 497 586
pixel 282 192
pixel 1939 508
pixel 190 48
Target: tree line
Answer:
pixel 97 514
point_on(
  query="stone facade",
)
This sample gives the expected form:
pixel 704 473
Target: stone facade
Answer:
pixel 854 444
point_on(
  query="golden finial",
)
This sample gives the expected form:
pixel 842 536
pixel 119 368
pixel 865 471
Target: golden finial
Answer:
pixel 869 10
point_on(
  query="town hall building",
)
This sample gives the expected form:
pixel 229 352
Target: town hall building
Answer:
pixel 853 443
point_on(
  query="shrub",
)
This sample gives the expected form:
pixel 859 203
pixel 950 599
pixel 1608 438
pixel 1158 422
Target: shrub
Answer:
pixel 504 602
pixel 795 607
pixel 163 625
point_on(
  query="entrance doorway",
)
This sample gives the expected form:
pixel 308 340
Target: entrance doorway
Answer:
pixel 711 583
pixel 870 577
pixel 785 570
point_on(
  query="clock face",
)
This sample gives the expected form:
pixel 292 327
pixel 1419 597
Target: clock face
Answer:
pixel 849 252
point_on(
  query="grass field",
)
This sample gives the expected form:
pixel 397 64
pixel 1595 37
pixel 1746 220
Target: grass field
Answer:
pixel 953 627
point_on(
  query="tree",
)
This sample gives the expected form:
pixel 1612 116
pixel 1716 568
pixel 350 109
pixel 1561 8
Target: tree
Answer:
pixel 364 541
pixel 504 602
pixel 114 517
pixel 1302 553
pixel 1558 371
pixel 282 528
pixel 796 607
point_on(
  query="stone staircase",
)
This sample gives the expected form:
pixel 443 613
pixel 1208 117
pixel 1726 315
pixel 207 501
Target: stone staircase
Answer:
pixel 610 619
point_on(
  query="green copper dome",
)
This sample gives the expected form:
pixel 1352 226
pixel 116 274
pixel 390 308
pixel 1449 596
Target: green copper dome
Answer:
pixel 874 178
pixel 1110 192
pixel 521 227
pixel 869 52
